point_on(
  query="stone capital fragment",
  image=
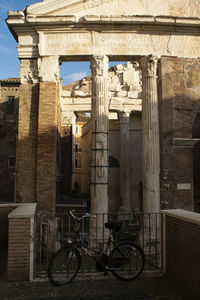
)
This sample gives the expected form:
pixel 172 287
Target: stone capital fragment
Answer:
pixel 124 117
pixel 99 65
pixel 48 67
pixel 149 66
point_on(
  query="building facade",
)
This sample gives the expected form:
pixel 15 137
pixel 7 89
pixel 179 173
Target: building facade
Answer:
pixel 164 41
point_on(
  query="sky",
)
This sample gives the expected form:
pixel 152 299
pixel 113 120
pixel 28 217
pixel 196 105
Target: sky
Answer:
pixel 9 62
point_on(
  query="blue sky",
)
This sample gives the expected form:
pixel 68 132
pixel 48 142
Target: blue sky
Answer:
pixel 9 62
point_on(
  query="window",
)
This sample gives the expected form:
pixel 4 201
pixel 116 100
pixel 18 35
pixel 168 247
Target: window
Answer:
pixel 77 148
pixel 77 163
pixel 11 162
pixel 10 105
pixel 77 129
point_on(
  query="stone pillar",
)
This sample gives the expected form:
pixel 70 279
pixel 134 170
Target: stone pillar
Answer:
pixel 47 133
pixel 124 163
pixel 100 124
pixel 151 145
pixel 26 154
pixel 69 120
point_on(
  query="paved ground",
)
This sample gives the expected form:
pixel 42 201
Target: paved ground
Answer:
pixel 152 288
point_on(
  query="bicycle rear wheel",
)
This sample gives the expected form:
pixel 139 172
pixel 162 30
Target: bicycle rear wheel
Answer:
pixel 64 266
pixel 126 261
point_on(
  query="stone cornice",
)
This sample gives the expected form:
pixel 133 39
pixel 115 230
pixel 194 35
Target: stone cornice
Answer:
pixel 17 18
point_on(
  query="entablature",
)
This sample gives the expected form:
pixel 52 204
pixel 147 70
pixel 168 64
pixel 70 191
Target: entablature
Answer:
pixel 124 36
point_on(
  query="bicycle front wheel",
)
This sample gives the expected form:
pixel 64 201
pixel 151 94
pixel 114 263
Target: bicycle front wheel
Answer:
pixel 64 266
pixel 126 261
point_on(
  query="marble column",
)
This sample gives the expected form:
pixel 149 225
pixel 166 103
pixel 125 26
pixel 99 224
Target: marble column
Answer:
pixel 99 167
pixel 100 124
pixel 151 145
pixel 124 163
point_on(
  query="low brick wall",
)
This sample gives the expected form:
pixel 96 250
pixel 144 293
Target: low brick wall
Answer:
pixel 181 248
pixel 21 243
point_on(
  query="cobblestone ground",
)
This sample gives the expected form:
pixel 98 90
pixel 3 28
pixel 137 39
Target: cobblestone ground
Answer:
pixel 107 289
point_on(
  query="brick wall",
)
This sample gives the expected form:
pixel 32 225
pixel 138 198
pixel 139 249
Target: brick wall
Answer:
pixel 27 144
pixel 47 146
pixel 19 250
pixel 4 211
pixel 182 261
pixel 179 84
pixel 8 133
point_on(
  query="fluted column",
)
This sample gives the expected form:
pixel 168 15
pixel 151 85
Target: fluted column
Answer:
pixel 151 145
pixel 124 163
pixel 99 167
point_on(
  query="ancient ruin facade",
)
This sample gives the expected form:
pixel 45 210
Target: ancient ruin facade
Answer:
pixel 163 38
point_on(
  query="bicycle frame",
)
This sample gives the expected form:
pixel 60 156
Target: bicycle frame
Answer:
pixel 94 253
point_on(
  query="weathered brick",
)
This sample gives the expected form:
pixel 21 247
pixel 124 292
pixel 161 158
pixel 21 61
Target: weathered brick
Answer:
pixel 182 255
pixel 27 144
pixel 19 249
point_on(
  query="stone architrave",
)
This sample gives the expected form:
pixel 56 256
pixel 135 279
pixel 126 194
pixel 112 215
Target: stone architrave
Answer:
pixel 124 162
pixel 99 166
pixel 151 144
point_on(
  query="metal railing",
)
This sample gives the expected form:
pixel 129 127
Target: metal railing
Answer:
pixel 52 231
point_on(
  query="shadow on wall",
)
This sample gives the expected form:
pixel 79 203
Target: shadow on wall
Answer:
pixel 8 135
pixel 196 163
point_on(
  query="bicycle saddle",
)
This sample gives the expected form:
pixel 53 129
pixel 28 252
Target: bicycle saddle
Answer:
pixel 113 225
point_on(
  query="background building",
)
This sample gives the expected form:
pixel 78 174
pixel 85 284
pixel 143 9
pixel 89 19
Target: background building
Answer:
pixel 9 99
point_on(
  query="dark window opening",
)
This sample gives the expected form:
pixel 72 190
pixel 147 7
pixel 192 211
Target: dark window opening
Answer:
pixel 10 105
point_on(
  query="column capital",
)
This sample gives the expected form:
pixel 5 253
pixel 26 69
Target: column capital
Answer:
pixel 149 65
pixel 48 68
pixel 29 71
pixel 68 118
pixel 124 117
pixel 99 65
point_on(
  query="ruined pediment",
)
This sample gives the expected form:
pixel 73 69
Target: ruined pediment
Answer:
pixel 79 8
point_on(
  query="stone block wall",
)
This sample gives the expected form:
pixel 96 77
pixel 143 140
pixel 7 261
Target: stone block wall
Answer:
pixel 179 87
pixel 181 250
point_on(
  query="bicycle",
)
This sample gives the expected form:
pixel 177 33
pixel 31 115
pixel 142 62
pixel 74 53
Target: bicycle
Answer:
pixel 124 258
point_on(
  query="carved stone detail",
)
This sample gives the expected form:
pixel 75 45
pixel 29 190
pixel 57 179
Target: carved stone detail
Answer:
pixel 149 65
pixel 28 71
pixel 49 68
pixel 124 117
pixel 99 65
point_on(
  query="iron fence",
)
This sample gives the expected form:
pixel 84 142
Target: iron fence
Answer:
pixel 53 231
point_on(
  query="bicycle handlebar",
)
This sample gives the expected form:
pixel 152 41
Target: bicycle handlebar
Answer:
pixel 87 215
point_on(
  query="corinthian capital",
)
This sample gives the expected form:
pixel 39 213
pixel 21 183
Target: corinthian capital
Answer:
pixel 149 65
pixel 99 65
pixel 124 117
